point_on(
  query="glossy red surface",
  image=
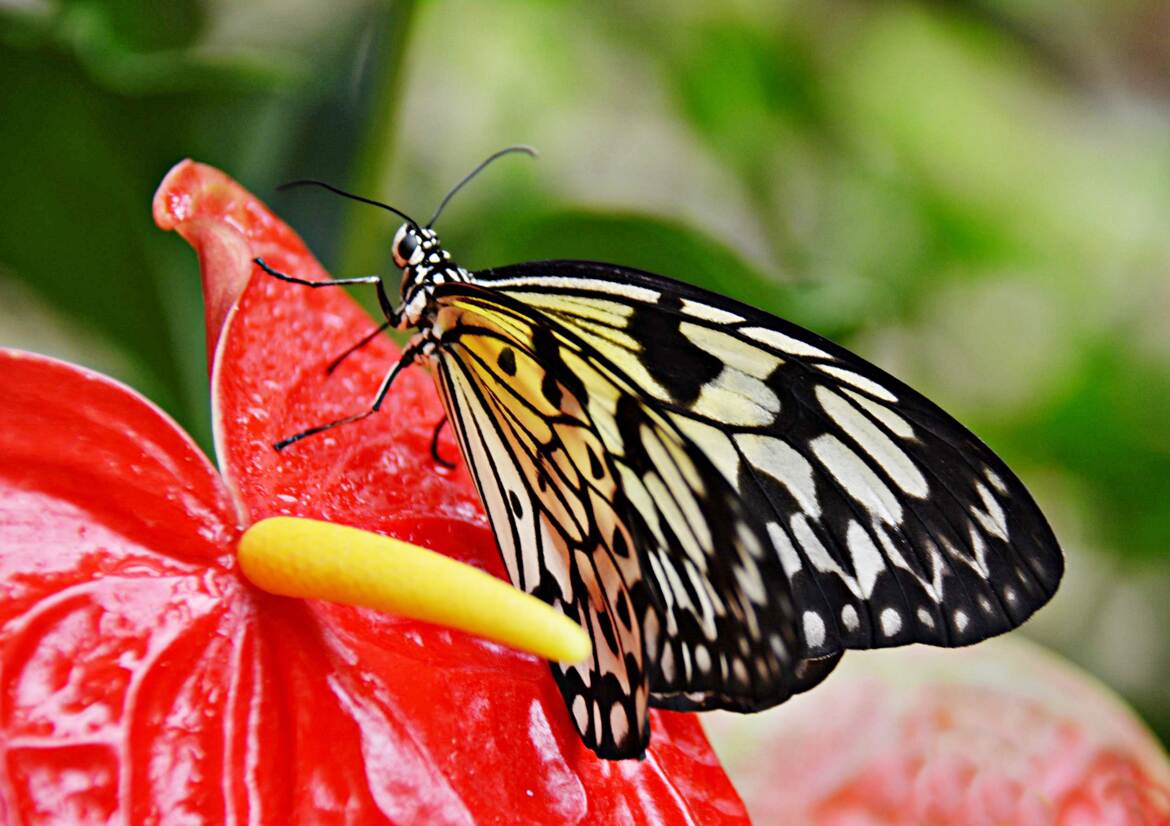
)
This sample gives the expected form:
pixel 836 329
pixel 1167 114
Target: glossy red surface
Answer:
pixel 141 680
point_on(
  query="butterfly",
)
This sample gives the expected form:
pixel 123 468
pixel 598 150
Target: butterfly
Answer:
pixel 724 501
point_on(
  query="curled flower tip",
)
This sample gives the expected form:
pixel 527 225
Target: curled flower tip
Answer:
pixel 318 560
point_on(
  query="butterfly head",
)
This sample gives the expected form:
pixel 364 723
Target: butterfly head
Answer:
pixel 409 245
pixel 424 263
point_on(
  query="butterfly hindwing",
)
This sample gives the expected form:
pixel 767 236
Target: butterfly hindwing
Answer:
pixel 553 504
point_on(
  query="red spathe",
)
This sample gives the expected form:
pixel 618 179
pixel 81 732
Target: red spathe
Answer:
pixel 144 681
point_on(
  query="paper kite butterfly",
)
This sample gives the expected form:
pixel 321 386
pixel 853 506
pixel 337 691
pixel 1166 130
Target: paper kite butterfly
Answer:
pixel 723 500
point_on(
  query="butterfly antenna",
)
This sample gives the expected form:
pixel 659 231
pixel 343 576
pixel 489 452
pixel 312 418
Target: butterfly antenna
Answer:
pixel 350 195
pixel 507 150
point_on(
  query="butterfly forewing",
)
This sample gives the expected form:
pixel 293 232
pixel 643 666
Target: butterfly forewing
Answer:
pixel 890 521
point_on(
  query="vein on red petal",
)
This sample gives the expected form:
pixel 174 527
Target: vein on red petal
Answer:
pixel 310 761
pixel 174 749
pixel 72 683
pixel 402 776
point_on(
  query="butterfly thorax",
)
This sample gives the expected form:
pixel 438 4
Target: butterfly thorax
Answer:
pixel 425 265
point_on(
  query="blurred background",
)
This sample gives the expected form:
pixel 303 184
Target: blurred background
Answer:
pixel 976 196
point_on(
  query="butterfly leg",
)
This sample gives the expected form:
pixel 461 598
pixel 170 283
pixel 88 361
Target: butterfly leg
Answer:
pixel 333 365
pixel 384 302
pixel 439 460
pixel 409 354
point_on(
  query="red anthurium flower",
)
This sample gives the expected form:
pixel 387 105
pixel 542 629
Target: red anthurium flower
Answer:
pixel 144 680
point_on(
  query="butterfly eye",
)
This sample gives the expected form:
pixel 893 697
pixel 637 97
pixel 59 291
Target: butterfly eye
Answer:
pixel 405 246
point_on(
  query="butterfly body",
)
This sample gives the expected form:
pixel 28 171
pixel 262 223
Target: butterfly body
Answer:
pixel 723 500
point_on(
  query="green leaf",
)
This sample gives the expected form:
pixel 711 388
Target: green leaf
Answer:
pixel 85 152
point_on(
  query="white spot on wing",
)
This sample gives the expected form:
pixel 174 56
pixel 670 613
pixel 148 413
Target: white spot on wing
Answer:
pixel 666 663
pixel 611 314
pixel 679 495
pixel 619 723
pixel 702 658
pixel 739 669
pixel 714 443
pixel 751 584
pixel 675 583
pixel 580 713
pixel 849 618
pixel 665 502
pixel 892 459
pixel 867 559
pixel 856 478
pixel 996 482
pixel 640 498
pixel 592 285
pixel 814 629
pixel 818 556
pixel 775 458
pixel 734 352
pixel 748 544
pixel 979 546
pixel 859 381
pixel 735 398
pixel 667 592
pixel 897 425
pixel 891 622
pixel 789 558
pixel 993 521
pixel 784 343
pixel 708 313
pixel 895 558
pixel 706 594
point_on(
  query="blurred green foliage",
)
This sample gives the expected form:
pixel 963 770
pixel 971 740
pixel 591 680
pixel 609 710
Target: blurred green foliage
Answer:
pixel 975 195
pixel 100 99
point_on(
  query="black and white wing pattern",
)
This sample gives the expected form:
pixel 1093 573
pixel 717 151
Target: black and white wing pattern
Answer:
pixel 890 521
pixel 605 509
pixel 725 501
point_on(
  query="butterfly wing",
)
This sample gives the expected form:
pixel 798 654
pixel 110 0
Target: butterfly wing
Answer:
pixel 606 510
pixel 890 522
